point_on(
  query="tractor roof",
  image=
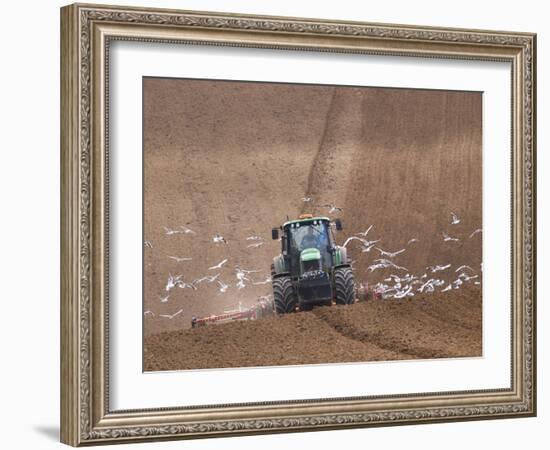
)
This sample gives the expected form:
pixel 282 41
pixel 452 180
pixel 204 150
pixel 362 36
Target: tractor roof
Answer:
pixel 305 220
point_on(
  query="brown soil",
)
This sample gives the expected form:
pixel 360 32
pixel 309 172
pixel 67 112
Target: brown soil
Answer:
pixel 236 158
pixel 426 326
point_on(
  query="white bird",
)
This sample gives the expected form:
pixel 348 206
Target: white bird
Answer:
pixel 208 279
pixel 404 292
pixel 332 208
pixel 306 199
pixel 438 267
pixel 171 316
pixel 164 299
pixel 222 285
pixel 179 230
pixel 455 219
pixel 467 277
pixel 389 254
pixel 409 278
pixel 479 230
pixel 218 238
pixel 353 238
pixel 384 263
pixel 367 245
pixel 430 285
pixel 393 277
pixel 364 233
pixel 219 265
pixel 241 276
pixel 178 259
pixel 149 313
pixel 173 281
pixel 239 270
pixel 464 267
pixel 448 288
pixel 254 238
pixel 447 238
pixel 148 244
pixel 255 245
pixel 266 281
pixel 412 241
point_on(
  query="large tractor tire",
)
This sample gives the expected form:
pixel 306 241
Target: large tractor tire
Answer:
pixel 344 286
pixel 284 296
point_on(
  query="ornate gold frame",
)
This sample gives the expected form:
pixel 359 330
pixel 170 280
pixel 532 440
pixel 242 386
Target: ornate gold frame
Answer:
pixel 86 31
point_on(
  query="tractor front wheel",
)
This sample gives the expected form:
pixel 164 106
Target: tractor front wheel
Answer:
pixel 284 296
pixel 344 286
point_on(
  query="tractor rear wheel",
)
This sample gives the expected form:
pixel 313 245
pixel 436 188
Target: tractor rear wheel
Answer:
pixel 344 286
pixel 284 296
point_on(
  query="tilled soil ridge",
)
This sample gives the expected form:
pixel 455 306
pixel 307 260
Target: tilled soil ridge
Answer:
pixel 442 325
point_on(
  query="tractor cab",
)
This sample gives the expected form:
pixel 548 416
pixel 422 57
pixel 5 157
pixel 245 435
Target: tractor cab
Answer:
pixel 307 243
pixel 309 257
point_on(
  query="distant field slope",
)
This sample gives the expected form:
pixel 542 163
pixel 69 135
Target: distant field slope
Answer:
pixel 236 158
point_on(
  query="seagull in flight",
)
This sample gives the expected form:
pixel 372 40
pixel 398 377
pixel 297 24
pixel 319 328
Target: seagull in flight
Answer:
pixel 306 199
pixel 179 230
pixel 438 267
pixel 464 267
pixel 171 316
pixel 222 285
pixel 148 244
pixel 178 259
pixel 430 285
pixel 389 254
pixel 266 281
pixel 208 279
pixel 164 299
pixel 447 238
pixel 254 238
pixel 404 292
pixel 384 263
pixel 412 241
pixel 218 266
pixel 332 208
pixel 454 219
pixel 255 245
pixel 364 233
pixel 241 275
pixel 173 281
pixel 367 245
pixel 218 238
pixel 149 313
pixel 479 230
pixel 467 277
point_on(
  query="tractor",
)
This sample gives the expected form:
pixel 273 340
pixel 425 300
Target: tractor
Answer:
pixel 311 269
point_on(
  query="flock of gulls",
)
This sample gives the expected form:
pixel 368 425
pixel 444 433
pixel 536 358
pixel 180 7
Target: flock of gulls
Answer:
pixel 399 284
pixel 404 284
pixel 243 277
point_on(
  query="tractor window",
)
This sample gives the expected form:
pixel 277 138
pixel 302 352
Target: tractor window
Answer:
pixel 308 235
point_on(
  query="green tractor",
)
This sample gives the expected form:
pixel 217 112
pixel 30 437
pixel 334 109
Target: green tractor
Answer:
pixel 311 269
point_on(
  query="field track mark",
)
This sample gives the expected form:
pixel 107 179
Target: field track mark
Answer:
pixel 377 339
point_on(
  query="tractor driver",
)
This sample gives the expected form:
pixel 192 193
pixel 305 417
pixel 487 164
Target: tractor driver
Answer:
pixel 312 239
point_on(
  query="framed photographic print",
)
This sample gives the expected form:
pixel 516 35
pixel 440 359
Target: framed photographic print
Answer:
pixel 275 224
